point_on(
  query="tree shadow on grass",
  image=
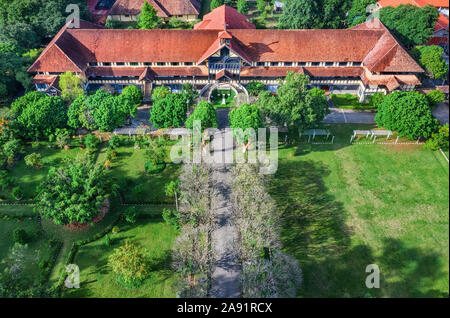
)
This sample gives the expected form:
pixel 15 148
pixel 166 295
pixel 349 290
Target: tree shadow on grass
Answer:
pixel 315 233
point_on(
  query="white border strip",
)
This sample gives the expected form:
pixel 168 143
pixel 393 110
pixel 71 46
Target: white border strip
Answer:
pixel 443 154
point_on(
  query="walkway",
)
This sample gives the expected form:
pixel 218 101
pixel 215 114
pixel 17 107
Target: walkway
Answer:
pixel 226 273
pixel 441 113
pixel 349 116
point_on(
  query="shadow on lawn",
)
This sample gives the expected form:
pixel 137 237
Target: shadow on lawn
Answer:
pixel 315 232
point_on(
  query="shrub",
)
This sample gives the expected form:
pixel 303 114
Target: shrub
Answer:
pixel 91 142
pixel 107 240
pixel 152 168
pixel 439 139
pixel 135 93
pixel 115 230
pixel 376 99
pixel 20 236
pixel 17 193
pixel 114 142
pixel 170 216
pixel 62 137
pixel 11 149
pixel 34 160
pixel 204 112
pixel 130 215
pixel 435 97
pixel 255 87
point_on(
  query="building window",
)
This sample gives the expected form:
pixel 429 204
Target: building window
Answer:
pixel 356 63
pixel 287 63
pixel 120 63
pixel 160 63
pixel 41 86
pixel 273 63
pixel 174 63
pixel 93 64
pixel 188 63
pixel 302 63
pixel 342 63
pixel 134 63
pixel 147 63
pixel 329 63
pixel 260 64
pixel 106 64
pixel 315 64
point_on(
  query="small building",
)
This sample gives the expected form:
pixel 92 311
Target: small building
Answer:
pixel 278 6
pixel 128 10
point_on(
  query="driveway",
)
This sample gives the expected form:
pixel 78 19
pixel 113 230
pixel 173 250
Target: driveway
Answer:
pixel 349 116
pixel 441 113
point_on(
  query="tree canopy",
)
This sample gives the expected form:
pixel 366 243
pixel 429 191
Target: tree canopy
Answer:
pixel 408 113
pixel 148 19
pixel 71 86
pixel 74 192
pixel 295 105
pixel 169 111
pixel 430 57
pixel 204 112
pixel 215 4
pixel 242 6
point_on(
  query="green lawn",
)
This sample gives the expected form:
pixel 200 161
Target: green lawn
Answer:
pixel 97 280
pixel 346 206
pixel 347 101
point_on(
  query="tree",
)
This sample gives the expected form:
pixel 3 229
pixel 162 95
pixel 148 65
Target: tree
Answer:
pixel 204 112
pixel 412 25
pixel 430 57
pixel 148 19
pixel 169 111
pixel 435 97
pixel 39 115
pixel 160 92
pixel 439 139
pixel 12 71
pixel 246 116
pixel 408 113
pixel 255 87
pixel 34 160
pixel 299 14
pixel 358 12
pixel 75 113
pixel 261 5
pixel 242 6
pixel 71 86
pixel 134 92
pixel 130 264
pixel 171 189
pixel 376 99
pixel 62 137
pixel 11 149
pixel 73 193
pixel 295 105
pixel 215 4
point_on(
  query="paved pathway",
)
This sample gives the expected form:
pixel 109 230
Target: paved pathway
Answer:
pixel 226 273
pixel 349 116
pixel 441 112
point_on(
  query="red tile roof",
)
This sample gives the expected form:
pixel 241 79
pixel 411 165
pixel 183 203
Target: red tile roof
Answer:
pixel 164 8
pixel 418 3
pixel 217 18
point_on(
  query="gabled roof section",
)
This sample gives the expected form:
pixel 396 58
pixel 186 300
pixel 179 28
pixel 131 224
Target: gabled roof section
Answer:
pixel 224 17
pixel 233 46
pixel 164 8
pixel 418 3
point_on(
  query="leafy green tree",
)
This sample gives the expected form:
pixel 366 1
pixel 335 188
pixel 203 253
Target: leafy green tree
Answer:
pixel 261 5
pixel 11 149
pixel 431 59
pixel 169 111
pixel 20 236
pixel 39 115
pixel 215 4
pixel 295 105
pixel 244 117
pixel 114 142
pixel 412 25
pixel 255 87
pixel 435 97
pixel 148 19
pixel 358 12
pixel 439 139
pixel 62 137
pixel 91 142
pixel 75 113
pixel 34 160
pixel 204 112
pixel 408 113
pixel 74 192
pixel 134 92
pixel 172 190
pixel 156 152
pixel 130 264
pixel 160 92
pixel 71 86
pixel 130 215
pixel 333 13
pixel 299 14
pixel 12 71
pixel 242 6
pixel 376 99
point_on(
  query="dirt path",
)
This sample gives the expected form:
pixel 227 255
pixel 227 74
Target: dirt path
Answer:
pixel 226 273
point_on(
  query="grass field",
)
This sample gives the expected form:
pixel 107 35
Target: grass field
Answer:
pixel 346 206
pixel 97 280
pixel 345 101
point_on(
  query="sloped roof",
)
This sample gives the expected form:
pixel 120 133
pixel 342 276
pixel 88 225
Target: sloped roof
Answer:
pixel 217 18
pixel 418 3
pixel 164 8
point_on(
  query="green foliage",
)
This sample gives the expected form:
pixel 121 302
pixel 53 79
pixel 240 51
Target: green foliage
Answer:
pixel 17 193
pixel 71 86
pixel 376 99
pixel 215 4
pixel 130 264
pixel 148 19
pixel 34 160
pixel 435 97
pixel 170 216
pixel 169 111
pixel 114 142
pixel 411 24
pixel 439 139
pixel 430 57
pixel 75 113
pixel 261 5
pixel 107 240
pixel 20 236
pixel 204 112
pixel 242 6
pixel 130 215
pixel 135 93
pixel 299 14
pixel 74 192
pixel 39 115
pixel 244 117
pixel 358 12
pixel 160 92
pixel 91 142
pixel 295 105
pixel 11 149
pixel 408 113
pixel 62 137
pixel 255 87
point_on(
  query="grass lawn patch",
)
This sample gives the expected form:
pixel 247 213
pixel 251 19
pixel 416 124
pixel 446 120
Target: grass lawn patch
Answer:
pixel 347 101
pixel 347 206
pixel 97 279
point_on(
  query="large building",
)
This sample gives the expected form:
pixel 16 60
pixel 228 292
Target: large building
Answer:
pixel 225 50
pixel 128 10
